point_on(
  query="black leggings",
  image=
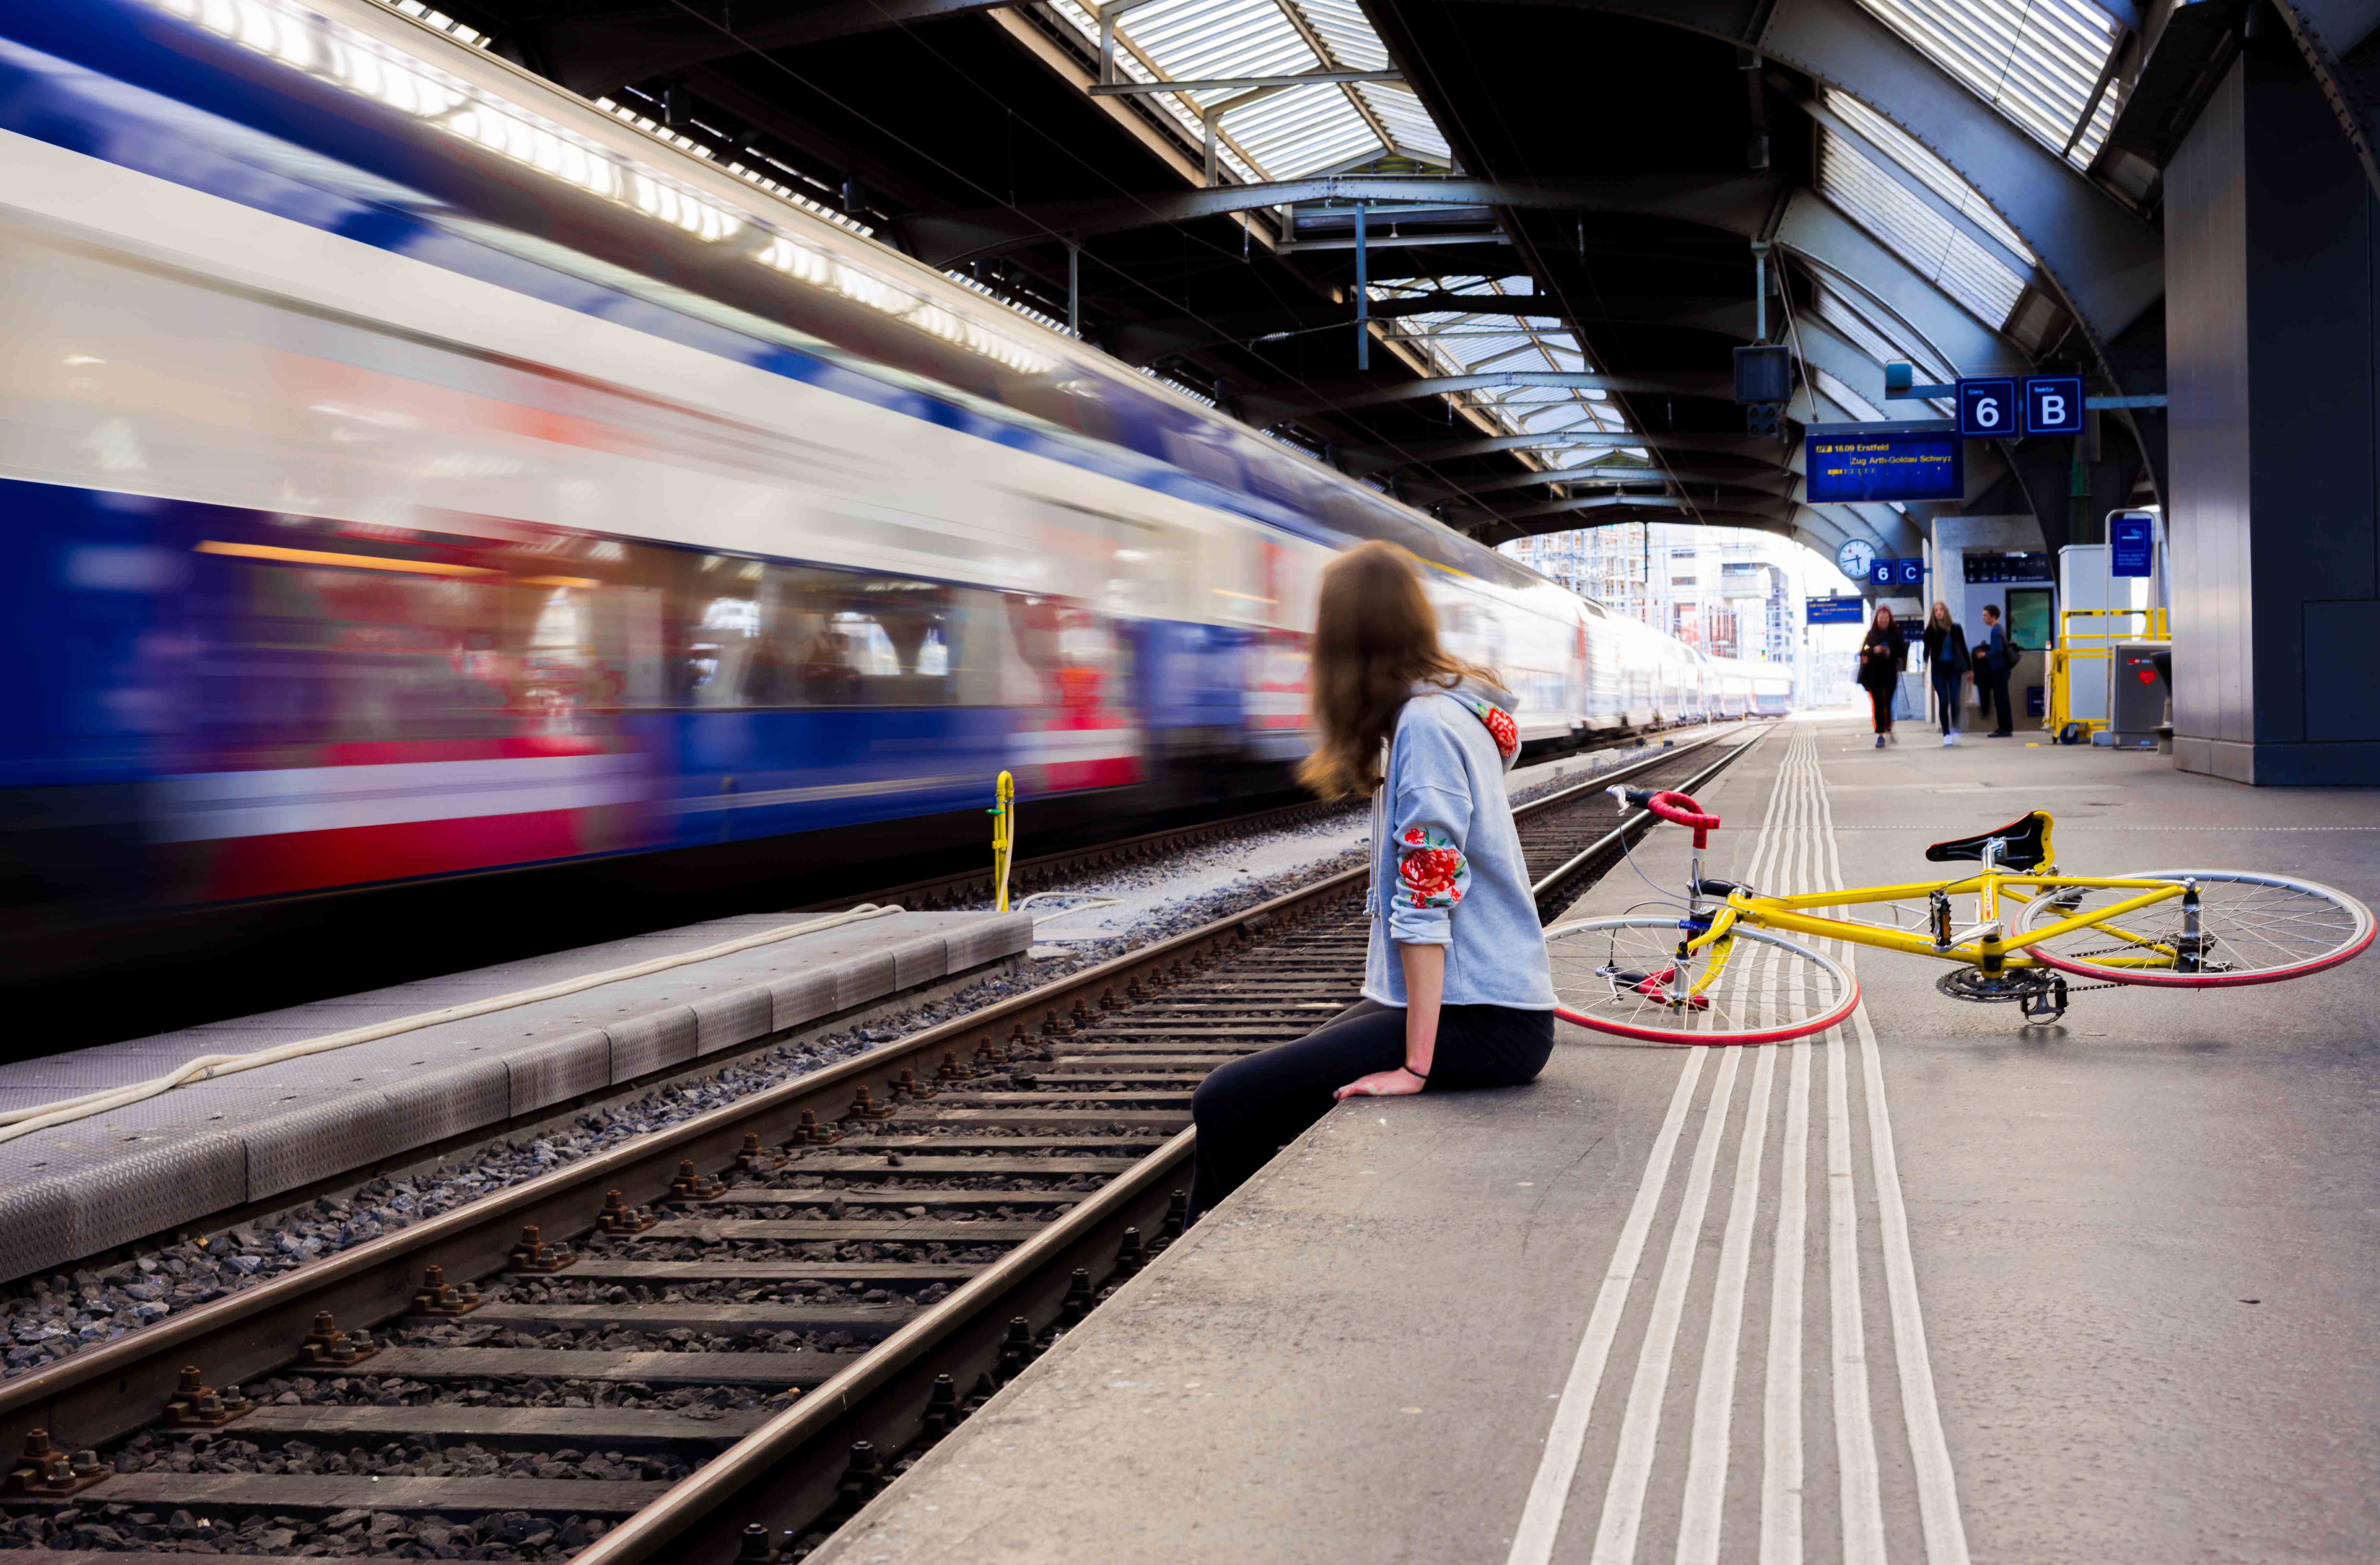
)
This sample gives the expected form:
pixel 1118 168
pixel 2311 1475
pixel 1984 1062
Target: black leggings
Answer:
pixel 1250 1108
pixel 1881 700
pixel 1946 703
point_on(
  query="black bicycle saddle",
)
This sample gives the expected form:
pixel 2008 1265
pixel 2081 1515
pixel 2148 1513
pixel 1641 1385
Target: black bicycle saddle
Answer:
pixel 2025 843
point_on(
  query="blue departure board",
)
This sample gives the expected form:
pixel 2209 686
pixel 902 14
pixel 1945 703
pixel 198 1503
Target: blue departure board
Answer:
pixel 1884 464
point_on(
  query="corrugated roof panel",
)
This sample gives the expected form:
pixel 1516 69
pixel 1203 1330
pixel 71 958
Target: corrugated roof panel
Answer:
pixel 1301 130
pixel 1914 231
pixel 1853 401
pixel 1346 32
pixel 1407 121
pixel 2037 61
pixel 1945 181
pixel 1878 339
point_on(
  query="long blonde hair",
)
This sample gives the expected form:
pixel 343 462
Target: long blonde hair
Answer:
pixel 1375 637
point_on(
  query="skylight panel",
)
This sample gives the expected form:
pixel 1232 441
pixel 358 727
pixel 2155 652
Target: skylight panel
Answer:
pixel 1307 127
pixel 1850 315
pixel 1858 405
pixel 1282 135
pixel 1945 181
pixel 1346 32
pixel 1921 235
pixel 1457 342
pixel 1409 125
pixel 2037 61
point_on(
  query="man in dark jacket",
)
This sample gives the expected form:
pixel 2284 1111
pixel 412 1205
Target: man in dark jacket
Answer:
pixel 1994 660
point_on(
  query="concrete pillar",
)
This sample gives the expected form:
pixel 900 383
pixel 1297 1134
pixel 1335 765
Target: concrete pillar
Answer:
pixel 2273 303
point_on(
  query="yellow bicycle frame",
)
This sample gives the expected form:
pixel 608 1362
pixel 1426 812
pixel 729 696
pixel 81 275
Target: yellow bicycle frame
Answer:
pixel 1792 914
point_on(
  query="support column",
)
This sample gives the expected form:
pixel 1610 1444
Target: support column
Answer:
pixel 2273 274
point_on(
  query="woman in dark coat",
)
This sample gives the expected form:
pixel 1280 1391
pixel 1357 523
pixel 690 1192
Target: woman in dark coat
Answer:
pixel 1881 656
pixel 1947 664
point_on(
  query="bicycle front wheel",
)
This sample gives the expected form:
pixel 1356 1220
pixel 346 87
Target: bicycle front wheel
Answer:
pixel 1621 975
pixel 2251 929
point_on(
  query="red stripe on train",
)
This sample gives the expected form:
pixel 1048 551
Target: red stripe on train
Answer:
pixel 300 861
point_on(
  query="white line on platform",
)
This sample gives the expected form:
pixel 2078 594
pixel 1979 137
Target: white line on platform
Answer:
pixel 1707 1445
pixel 1937 1487
pixel 1640 1426
pixel 1533 1542
pixel 1698 1527
pixel 1781 1471
pixel 1863 1502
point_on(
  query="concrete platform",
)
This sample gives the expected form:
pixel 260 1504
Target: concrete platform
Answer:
pixel 75 1190
pixel 1934 1287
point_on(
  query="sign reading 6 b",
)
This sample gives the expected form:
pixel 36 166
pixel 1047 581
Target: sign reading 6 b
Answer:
pixel 1988 408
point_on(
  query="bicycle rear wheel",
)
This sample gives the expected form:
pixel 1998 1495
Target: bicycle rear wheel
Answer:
pixel 2253 930
pixel 1615 975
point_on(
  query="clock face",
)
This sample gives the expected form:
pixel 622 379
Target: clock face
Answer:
pixel 1855 558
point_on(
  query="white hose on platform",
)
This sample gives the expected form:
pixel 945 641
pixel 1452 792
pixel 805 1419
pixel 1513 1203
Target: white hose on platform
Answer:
pixel 15 1122
pixel 1083 904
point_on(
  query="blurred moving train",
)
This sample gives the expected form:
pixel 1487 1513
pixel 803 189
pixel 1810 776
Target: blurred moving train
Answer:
pixel 411 470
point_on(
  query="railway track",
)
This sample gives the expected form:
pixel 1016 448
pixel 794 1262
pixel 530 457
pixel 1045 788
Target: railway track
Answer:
pixel 975 885
pixel 721 1340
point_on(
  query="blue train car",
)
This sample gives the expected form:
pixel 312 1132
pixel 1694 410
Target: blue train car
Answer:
pixel 412 471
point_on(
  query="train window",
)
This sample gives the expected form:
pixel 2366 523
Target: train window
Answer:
pixel 377 650
pixel 792 636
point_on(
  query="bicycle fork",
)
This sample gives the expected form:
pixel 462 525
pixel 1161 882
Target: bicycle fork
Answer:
pixel 1694 925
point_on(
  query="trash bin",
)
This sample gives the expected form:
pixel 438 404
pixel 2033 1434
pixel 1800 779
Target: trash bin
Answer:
pixel 2137 694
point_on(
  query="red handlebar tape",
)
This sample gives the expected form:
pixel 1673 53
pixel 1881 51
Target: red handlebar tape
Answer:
pixel 1680 809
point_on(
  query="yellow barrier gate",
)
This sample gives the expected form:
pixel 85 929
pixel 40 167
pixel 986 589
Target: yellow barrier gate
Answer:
pixel 2093 648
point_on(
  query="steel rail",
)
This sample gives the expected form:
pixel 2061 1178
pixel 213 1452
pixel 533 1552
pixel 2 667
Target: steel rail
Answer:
pixel 719 1483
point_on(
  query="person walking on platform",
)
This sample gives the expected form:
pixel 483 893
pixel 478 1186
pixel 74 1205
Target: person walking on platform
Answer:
pixel 1882 656
pixel 1946 666
pixel 1457 989
pixel 1994 660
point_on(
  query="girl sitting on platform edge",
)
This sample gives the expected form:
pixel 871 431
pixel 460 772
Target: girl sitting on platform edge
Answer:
pixel 1457 991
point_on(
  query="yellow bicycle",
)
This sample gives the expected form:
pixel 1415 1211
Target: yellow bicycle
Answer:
pixel 1720 968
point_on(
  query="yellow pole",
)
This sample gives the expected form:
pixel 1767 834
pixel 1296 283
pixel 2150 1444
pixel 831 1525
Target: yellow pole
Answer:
pixel 1003 835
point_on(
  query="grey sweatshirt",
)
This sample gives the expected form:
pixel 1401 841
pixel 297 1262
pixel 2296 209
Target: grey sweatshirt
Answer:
pixel 1446 857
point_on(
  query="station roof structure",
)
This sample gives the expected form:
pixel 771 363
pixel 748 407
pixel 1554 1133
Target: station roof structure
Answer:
pixel 1562 207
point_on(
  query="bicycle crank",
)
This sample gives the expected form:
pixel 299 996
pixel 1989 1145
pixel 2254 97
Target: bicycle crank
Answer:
pixel 2041 996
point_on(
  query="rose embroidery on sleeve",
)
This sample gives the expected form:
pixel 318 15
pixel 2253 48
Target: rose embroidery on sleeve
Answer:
pixel 1431 872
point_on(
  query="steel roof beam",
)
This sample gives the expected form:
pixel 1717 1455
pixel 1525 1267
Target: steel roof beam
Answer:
pixel 1398 241
pixel 1768 480
pixel 1492 533
pixel 593 55
pixel 1361 459
pixel 1327 399
pixel 2329 33
pixel 1739 203
pixel 2107 263
pixel 1741 504
pixel 1240 83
